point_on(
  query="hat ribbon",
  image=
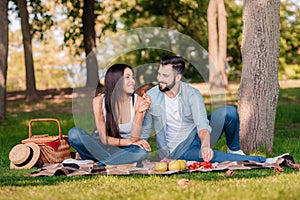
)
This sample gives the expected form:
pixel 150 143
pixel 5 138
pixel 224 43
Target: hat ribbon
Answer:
pixel 27 160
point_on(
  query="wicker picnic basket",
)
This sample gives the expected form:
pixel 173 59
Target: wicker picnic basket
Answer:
pixel 54 149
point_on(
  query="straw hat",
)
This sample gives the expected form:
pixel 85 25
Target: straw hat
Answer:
pixel 24 156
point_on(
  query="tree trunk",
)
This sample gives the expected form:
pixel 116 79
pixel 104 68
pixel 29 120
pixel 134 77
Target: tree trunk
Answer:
pixel 222 24
pixel 217 44
pixel 3 55
pixel 88 21
pixel 214 78
pixel 31 93
pixel 259 87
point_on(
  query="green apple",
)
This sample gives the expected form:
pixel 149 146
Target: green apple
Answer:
pixel 182 164
pixel 174 165
pixel 160 166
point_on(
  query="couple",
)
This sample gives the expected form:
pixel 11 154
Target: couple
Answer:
pixel 176 110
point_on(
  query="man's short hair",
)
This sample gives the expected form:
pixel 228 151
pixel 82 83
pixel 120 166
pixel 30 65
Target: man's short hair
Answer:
pixel 177 63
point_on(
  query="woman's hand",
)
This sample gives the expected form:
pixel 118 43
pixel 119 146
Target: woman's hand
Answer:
pixel 145 103
pixel 143 144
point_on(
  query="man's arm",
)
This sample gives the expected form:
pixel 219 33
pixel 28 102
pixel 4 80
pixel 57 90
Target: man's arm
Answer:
pixel 147 126
pixel 198 110
pixel 206 151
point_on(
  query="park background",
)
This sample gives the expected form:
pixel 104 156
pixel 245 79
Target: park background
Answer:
pixel 57 36
pixel 59 53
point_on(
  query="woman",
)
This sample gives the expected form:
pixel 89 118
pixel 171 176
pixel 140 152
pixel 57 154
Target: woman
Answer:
pixel 119 114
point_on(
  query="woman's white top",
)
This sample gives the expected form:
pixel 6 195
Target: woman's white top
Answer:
pixel 125 129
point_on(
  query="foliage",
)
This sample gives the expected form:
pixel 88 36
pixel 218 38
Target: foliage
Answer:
pixel 289 41
pixel 114 16
pixel 189 17
pixel 248 184
pixel 107 13
pixel 234 39
pixel 73 35
pixel 185 16
pixel 40 16
pixel 42 20
pixel 289 30
pixel 50 61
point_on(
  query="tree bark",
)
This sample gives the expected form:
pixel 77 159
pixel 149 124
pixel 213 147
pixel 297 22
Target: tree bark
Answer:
pixel 222 24
pixel 259 87
pixel 3 55
pixel 217 44
pixel 88 21
pixel 31 93
pixel 214 81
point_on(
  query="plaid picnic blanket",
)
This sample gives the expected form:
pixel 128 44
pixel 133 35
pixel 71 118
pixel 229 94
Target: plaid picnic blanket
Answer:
pixel 74 167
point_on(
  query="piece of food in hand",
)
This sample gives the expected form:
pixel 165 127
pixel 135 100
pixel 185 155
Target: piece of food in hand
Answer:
pixel 174 165
pixel 182 164
pixel 160 166
pixel 143 91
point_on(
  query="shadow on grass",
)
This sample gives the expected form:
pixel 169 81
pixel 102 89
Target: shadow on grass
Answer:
pixel 15 128
pixel 18 177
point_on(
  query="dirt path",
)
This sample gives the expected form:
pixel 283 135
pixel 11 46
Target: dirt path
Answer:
pixel 61 99
pixel 233 87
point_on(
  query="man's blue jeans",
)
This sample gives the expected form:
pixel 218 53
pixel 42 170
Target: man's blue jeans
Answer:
pixel 194 154
pixel 226 120
pixel 91 148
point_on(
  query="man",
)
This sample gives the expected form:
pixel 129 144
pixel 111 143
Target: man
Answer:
pixel 183 130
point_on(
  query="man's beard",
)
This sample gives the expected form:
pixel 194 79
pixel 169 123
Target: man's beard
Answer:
pixel 168 87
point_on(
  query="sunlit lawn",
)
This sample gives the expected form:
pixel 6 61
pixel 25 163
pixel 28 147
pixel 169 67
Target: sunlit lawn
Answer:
pixel 249 184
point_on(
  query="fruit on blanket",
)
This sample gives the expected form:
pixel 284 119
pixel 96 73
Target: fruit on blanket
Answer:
pixel 174 165
pixel 160 166
pixel 182 164
pixel 196 165
pixel 171 165
pixel 208 165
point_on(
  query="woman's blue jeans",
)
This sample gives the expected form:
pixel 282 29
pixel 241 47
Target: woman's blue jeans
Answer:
pixel 91 148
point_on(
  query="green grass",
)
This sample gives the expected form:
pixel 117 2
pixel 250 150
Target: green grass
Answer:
pixel 248 184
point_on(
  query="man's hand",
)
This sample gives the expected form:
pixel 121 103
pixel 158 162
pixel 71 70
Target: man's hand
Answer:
pixel 207 153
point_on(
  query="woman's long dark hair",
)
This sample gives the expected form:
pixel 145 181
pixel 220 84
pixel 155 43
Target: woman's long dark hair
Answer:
pixel 113 88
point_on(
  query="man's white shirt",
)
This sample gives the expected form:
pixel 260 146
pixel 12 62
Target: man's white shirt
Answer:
pixel 177 130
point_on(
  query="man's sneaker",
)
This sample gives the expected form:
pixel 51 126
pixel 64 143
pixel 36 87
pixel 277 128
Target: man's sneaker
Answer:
pixel 240 152
pixel 77 156
pixel 274 160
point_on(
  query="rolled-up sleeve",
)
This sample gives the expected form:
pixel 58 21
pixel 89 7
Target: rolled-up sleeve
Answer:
pixel 147 126
pixel 199 111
